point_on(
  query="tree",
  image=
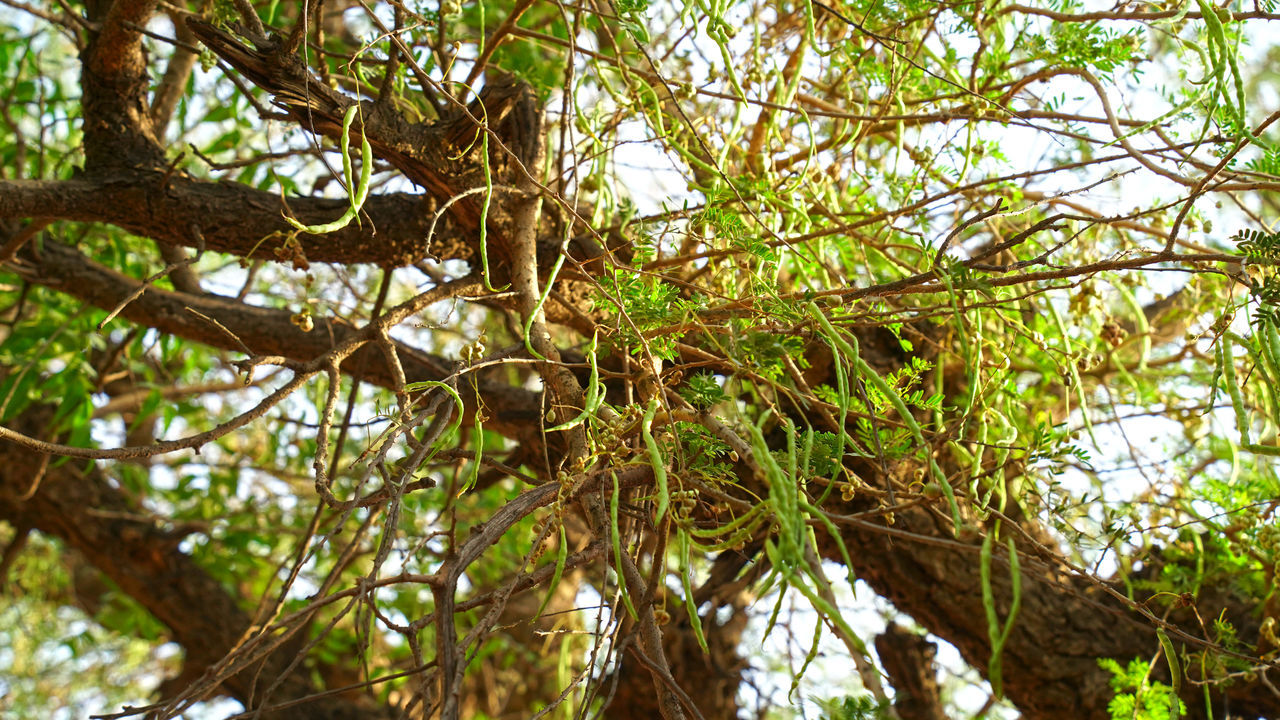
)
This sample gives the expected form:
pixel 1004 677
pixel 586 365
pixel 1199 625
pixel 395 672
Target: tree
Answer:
pixel 489 359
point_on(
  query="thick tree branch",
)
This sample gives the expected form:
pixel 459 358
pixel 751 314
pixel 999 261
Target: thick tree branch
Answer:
pixel 437 156
pixel 513 411
pixel 908 660
pixel 1050 665
pixel 81 507
pixel 118 131
pixel 239 220
pixel 1067 621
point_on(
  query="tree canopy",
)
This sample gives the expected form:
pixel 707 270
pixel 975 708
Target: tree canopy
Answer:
pixel 513 359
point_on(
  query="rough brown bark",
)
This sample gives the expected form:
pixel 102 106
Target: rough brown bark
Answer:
pixel 908 661
pixel 263 331
pixel 441 156
pixel 1066 622
pixel 117 117
pixel 239 220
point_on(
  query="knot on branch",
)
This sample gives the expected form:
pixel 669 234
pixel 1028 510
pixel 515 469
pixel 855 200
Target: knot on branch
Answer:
pixel 507 107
